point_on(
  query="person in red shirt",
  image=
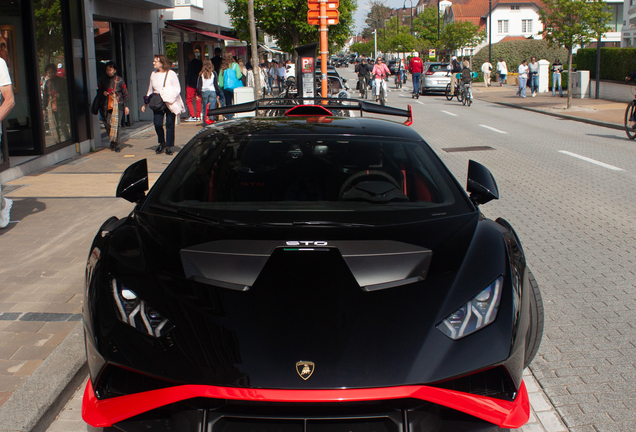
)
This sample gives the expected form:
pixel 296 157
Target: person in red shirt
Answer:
pixel 416 67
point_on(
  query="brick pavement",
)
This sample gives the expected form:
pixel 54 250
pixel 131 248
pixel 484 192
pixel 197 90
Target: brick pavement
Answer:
pixel 56 213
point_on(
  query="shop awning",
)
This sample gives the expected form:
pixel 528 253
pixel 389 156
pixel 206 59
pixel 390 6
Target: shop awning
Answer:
pixel 205 33
pixel 270 49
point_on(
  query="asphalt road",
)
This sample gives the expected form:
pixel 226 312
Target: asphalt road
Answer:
pixel 567 188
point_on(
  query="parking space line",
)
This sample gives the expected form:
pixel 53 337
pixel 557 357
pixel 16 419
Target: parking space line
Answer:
pixel 449 113
pixel 493 129
pixel 594 161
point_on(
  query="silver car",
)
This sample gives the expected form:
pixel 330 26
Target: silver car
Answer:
pixel 434 78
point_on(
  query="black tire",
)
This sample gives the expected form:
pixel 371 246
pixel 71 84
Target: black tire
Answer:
pixel 469 98
pixel 460 96
pixel 630 126
pixel 535 330
pixel 382 95
pixel 464 100
pixel 447 93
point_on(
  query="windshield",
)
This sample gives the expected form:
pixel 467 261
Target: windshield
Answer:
pixel 309 173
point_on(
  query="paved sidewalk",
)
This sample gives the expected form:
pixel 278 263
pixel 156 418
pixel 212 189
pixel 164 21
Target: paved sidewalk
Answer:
pixel 56 212
pixel 55 215
pixel 595 111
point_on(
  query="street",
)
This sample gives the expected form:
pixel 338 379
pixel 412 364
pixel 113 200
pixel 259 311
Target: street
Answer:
pixel 565 186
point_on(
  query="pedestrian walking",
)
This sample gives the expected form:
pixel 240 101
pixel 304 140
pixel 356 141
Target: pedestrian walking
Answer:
pixel 557 69
pixel 523 78
pixel 486 69
pixel 164 82
pixel 216 60
pixel 229 79
pixel 243 72
pixel 533 75
pixel 271 76
pixel 7 102
pixel 116 99
pixel 207 87
pixel 502 71
pixel 192 76
pixel 280 76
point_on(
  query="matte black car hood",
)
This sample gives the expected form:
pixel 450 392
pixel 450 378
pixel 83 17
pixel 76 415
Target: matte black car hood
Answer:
pixel 249 303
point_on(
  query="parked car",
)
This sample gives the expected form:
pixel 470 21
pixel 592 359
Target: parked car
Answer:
pixel 309 272
pixel 435 77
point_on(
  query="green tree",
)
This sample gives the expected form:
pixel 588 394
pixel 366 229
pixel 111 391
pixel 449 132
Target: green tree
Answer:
pixel 376 17
pixel 425 27
pixel 286 20
pixel 172 52
pixel 461 34
pixel 569 23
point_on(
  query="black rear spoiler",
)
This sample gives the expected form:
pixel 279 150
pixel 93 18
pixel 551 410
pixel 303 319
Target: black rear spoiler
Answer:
pixel 322 110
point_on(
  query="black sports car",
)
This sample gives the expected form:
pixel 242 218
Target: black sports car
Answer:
pixel 308 273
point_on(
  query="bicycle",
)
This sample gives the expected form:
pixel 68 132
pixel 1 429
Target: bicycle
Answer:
pixel 466 89
pixel 382 92
pixel 362 82
pixel 456 92
pixel 398 79
pixel 630 118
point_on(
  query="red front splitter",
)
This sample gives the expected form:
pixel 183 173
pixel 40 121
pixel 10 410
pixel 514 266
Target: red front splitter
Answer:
pixel 505 414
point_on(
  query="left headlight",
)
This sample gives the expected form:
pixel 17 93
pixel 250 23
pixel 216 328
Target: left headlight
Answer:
pixel 137 313
pixel 476 314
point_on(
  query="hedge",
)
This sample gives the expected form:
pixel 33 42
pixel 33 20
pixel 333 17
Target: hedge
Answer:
pixel 616 63
pixel 514 52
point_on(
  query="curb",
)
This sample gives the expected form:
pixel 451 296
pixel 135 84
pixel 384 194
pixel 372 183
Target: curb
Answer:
pixel 34 405
pixel 563 116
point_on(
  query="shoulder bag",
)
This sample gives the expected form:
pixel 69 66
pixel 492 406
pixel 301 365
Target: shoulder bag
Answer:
pixel 156 102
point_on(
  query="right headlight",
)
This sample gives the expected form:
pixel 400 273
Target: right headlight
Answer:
pixel 476 314
pixel 137 313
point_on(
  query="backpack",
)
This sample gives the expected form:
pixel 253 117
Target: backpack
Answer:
pixel 456 67
pixel 466 75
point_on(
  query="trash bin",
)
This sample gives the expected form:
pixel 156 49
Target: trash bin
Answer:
pixel 242 95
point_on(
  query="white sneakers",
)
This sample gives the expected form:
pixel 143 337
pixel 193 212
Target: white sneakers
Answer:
pixel 4 213
pixel 193 119
pixel 534 94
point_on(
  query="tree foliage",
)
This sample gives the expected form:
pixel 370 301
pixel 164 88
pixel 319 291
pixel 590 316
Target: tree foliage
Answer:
pixel 461 34
pixel 286 20
pixel 568 23
pixel 376 17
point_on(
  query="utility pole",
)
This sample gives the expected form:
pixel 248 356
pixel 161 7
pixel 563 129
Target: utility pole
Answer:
pixel 489 31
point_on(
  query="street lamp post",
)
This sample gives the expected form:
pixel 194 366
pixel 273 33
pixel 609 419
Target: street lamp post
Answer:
pixel 489 32
pixel 404 8
pixel 375 37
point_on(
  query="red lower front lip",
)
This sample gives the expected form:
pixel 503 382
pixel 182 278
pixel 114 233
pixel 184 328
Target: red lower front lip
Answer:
pixel 505 414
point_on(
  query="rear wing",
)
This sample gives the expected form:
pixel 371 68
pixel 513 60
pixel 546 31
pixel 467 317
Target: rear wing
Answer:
pixel 313 108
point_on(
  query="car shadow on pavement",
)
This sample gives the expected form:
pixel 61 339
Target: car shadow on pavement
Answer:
pixel 22 208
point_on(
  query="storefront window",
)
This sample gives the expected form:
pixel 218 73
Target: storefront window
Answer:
pixel 53 78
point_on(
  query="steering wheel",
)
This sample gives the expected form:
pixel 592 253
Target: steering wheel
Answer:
pixel 367 175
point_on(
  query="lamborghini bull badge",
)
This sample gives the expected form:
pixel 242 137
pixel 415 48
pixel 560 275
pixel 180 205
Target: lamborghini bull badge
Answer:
pixel 305 369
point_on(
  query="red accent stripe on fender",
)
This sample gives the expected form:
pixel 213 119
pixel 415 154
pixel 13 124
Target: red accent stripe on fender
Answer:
pixel 504 414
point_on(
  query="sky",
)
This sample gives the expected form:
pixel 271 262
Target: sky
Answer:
pixel 364 8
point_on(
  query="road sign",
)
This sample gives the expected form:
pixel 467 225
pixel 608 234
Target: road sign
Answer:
pixel 313 17
pixel 331 4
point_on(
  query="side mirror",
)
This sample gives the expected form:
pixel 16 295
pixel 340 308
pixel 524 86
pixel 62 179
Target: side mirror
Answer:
pixel 134 182
pixel 481 185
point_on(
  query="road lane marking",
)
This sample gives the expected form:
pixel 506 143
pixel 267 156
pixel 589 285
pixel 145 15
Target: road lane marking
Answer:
pixel 449 113
pixel 594 161
pixel 493 129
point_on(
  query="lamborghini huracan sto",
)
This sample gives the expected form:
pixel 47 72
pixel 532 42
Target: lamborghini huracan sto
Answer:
pixel 304 273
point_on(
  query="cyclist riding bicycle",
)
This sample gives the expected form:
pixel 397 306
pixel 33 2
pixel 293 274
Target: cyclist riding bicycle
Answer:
pixel 380 72
pixel 466 77
pixel 362 69
pixel 454 68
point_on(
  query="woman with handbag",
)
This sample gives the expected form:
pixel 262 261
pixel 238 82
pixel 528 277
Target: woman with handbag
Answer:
pixel 208 88
pixel 229 79
pixel 164 99
pixel 115 101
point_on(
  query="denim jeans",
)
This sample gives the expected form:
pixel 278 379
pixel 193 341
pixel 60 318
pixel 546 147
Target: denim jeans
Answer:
pixel 523 81
pixel 208 97
pixel 229 98
pixel 270 84
pixel 502 78
pixel 534 83
pixel 416 82
pixel 158 122
pixel 556 80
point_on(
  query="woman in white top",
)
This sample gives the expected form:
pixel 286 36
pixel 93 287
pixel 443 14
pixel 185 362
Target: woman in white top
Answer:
pixel 208 88
pixel 166 82
pixel 523 78
pixel 502 70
